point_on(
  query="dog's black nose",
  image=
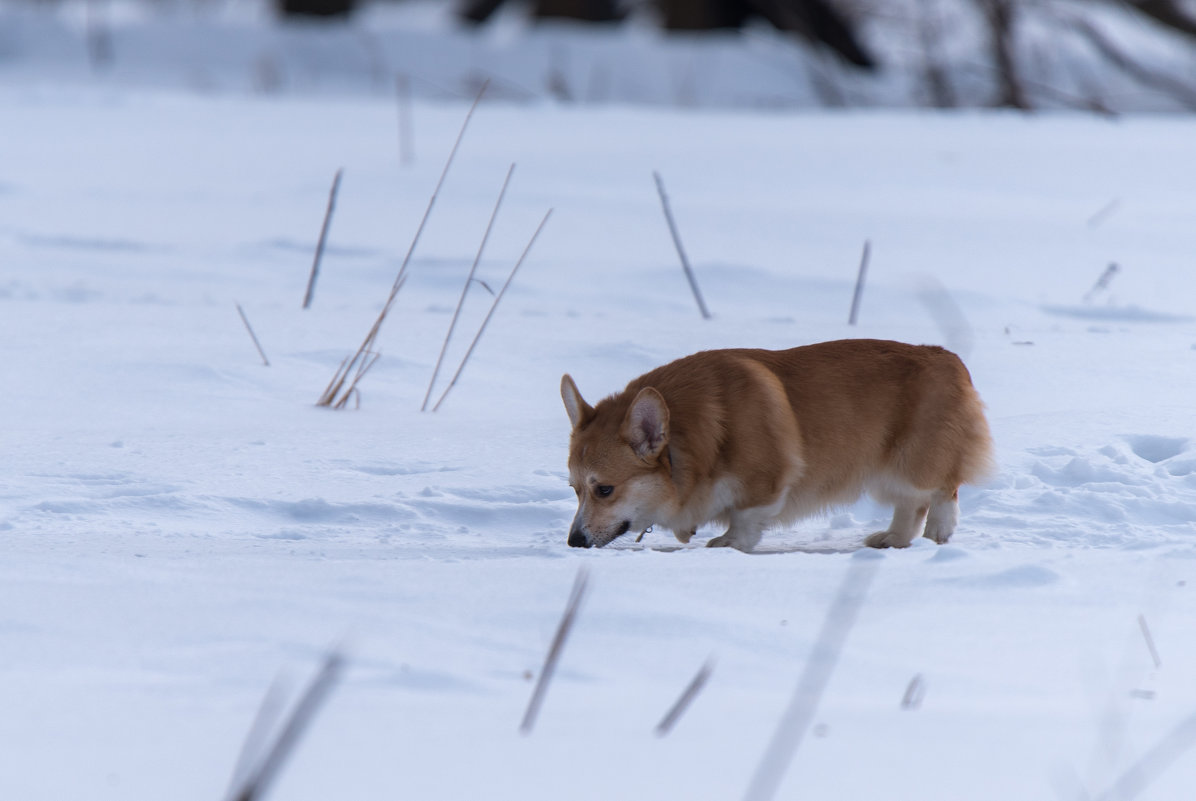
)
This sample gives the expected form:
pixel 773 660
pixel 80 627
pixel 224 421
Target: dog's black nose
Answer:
pixel 577 539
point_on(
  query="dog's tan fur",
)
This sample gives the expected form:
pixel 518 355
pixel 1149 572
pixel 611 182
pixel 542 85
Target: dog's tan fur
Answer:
pixel 759 438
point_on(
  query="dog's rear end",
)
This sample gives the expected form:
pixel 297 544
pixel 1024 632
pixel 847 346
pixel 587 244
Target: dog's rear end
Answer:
pixel 758 438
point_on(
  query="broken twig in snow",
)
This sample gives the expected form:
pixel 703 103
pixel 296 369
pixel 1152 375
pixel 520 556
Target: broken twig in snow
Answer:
pixel 796 720
pixel 465 290
pixel 335 394
pixel 315 264
pixel 689 273
pixel 554 651
pixel 252 335
pixel 489 314
pixel 859 283
pixel 687 696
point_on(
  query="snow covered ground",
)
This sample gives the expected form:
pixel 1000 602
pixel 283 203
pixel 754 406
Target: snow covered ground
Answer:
pixel 179 522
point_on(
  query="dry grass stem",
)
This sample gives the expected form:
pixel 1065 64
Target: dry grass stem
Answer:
pixel 858 294
pixel 332 396
pixel 687 696
pixel 266 718
pixel 1104 212
pixel 914 693
pixel 689 273
pixel 489 314
pixel 820 666
pixel 1146 635
pixel 258 780
pixel 554 651
pixel 1153 763
pixel 1103 282
pixel 406 125
pixel 465 289
pixel 252 335
pixel 315 264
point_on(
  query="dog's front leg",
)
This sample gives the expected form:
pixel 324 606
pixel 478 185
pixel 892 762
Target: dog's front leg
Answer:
pixel 744 533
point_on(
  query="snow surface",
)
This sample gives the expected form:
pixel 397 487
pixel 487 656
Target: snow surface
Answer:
pixel 179 522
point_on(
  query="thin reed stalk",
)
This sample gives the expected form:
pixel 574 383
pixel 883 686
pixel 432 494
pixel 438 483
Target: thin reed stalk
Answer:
pixel 258 780
pixel 335 394
pixel 689 273
pixel 252 335
pixel 554 651
pixel 315 263
pixel 489 314
pixel 858 294
pixel 465 289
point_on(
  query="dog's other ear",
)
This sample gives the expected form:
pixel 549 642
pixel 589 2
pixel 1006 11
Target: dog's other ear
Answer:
pixel 579 411
pixel 647 424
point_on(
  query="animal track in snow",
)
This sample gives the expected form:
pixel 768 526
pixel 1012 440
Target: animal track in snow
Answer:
pixel 1137 491
pixel 1155 448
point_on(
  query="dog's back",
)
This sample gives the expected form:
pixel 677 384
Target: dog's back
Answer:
pixel 759 438
pixel 872 406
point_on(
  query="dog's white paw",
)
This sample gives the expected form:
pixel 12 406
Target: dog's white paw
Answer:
pixel 734 540
pixel 938 534
pixel 887 539
pixel 941 522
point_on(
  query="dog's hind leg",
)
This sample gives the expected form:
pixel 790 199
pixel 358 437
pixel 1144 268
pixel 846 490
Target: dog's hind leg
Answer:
pixel 908 514
pixel 943 517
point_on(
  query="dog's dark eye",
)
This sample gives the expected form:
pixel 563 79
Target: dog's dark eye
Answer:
pixel 603 490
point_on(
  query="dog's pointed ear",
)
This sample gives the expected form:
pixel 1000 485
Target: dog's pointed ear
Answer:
pixel 647 425
pixel 579 411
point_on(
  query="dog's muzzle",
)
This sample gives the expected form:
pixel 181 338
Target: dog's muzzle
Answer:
pixel 579 539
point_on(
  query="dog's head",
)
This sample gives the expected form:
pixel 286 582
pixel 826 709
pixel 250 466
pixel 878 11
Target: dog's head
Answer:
pixel 618 464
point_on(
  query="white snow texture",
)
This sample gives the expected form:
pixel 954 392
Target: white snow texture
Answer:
pixel 179 523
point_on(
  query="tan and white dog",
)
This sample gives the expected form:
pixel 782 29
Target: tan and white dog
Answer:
pixel 760 438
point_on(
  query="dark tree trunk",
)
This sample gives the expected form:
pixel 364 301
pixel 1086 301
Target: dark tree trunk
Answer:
pixel 1002 19
pixel 585 10
pixel 315 8
pixel 1168 12
pixel 818 21
pixel 702 15
pixel 479 10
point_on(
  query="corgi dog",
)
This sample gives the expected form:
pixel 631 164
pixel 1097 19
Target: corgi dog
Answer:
pixel 755 439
